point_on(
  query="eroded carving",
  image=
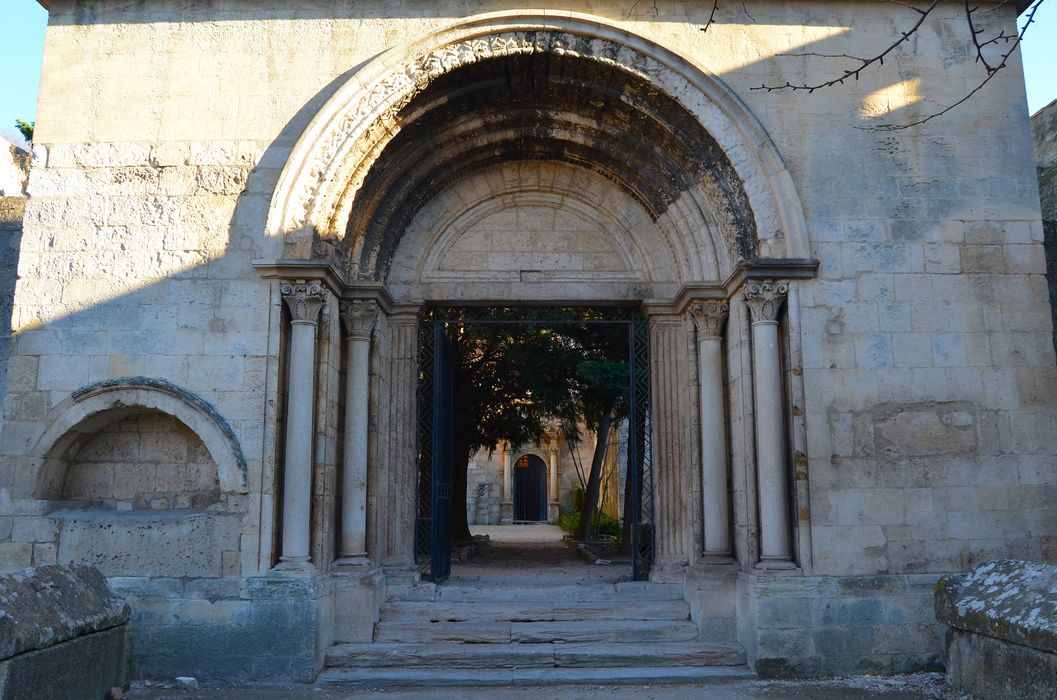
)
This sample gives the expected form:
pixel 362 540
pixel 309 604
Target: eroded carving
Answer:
pixel 358 318
pixel 709 317
pixel 765 299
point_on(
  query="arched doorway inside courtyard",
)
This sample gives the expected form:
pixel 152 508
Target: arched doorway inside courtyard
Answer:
pixel 530 489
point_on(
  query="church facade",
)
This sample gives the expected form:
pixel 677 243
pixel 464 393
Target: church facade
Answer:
pixel 241 212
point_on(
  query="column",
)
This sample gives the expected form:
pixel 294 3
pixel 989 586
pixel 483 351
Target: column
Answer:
pixel 506 510
pixel 304 299
pixel 552 481
pixel 358 317
pixel 709 317
pixel 672 479
pixel 399 451
pixel 764 299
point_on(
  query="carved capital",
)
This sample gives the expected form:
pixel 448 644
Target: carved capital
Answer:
pixel 358 318
pixel 709 317
pixel 765 299
pixel 304 299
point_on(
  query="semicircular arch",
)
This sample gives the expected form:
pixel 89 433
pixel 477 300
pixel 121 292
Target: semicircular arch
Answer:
pixel 95 406
pixel 316 192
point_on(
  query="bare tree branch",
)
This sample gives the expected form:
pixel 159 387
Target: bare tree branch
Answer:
pixel 711 16
pixel 992 71
pixel 865 63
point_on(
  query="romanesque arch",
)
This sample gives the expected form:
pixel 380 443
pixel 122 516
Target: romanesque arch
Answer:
pixel 705 171
pixel 77 420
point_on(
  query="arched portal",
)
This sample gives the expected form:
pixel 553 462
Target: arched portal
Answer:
pixel 530 489
pixel 531 158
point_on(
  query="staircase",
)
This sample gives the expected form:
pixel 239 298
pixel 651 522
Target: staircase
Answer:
pixel 534 635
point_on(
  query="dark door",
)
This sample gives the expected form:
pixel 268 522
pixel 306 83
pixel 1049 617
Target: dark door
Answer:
pixel 530 488
pixel 440 540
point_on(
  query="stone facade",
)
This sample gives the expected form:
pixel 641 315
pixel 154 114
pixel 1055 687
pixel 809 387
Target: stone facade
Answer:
pixel 880 384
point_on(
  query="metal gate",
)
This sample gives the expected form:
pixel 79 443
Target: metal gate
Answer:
pixel 433 530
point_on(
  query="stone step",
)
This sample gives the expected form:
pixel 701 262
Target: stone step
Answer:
pixel 564 631
pixel 409 657
pixel 566 593
pixel 449 677
pixel 534 611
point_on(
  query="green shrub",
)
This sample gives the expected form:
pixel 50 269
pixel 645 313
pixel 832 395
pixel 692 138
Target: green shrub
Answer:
pixel 608 526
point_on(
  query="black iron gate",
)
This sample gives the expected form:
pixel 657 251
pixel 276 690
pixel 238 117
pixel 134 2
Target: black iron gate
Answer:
pixel 433 531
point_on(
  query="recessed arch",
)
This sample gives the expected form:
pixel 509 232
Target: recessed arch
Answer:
pixel 319 191
pixel 73 422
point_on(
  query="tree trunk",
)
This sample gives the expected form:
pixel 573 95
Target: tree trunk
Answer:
pixel 594 479
pixel 633 478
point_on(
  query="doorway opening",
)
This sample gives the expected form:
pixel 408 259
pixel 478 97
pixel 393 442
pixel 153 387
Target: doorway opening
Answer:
pixel 508 376
pixel 530 489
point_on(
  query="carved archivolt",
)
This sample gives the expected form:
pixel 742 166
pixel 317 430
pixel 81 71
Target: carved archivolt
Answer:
pixel 317 188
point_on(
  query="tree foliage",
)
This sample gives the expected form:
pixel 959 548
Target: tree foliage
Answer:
pixel 26 129
pixel 515 381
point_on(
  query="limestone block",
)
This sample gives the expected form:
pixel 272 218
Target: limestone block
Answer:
pixel 994 668
pixel 153 544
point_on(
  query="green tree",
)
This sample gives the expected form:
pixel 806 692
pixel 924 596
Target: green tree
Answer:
pixel 26 129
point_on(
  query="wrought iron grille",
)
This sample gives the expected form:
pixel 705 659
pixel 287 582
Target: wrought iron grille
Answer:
pixel 640 472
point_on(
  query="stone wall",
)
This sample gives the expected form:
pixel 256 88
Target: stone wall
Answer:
pixel 151 462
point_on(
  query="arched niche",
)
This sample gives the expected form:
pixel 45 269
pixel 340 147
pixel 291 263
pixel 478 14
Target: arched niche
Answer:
pixel 420 118
pixel 92 410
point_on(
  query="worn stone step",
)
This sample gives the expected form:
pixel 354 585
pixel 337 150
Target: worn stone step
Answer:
pixel 448 677
pixel 562 631
pixel 662 654
pixel 604 631
pixel 534 611
pixel 465 632
pixel 443 655
pixel 500 656
pixel 571 593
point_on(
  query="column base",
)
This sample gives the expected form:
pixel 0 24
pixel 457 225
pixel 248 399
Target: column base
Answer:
pixel 553 511
pixel 718 560
pixel 295 565
pixel 354 562
pixel 776 565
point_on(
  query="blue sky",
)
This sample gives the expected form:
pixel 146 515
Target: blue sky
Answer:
pixel 21 50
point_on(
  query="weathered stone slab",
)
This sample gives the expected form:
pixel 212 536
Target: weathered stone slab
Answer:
pixel 170 543
pixel 422 631
pixel 663 654
pixel 616 631
pixel 1012 600
pixel 84 668
pixel 47 605
pixel 992 668
pixel 443 655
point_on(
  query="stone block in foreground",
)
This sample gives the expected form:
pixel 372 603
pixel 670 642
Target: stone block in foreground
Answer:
pixel 63 633
pixel 1002 641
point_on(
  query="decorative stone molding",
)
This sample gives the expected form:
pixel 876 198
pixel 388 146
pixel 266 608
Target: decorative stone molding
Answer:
pixel 709 317
pixel 358 318
pixel 304 299
pixel 765 299
pixel 318 185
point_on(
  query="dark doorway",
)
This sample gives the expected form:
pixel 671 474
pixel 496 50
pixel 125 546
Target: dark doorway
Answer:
pixel 530 489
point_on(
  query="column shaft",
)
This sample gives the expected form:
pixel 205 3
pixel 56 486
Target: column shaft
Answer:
pixel 552 474
pixel 358 318
pixel 401 439
pixel 764 300
pixel 709 317
pixel 304 301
